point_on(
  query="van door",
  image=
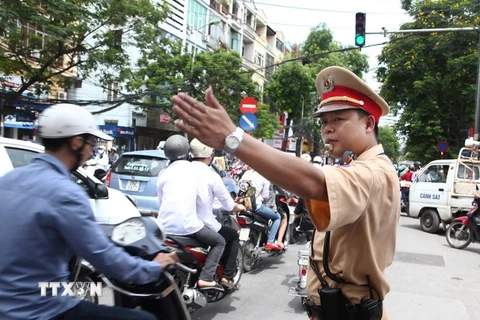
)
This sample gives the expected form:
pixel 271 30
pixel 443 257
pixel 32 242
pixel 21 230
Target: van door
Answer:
pixel 431 190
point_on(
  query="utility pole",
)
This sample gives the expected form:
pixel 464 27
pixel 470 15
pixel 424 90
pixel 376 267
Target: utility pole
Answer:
pixel 2 117
pixel 384 32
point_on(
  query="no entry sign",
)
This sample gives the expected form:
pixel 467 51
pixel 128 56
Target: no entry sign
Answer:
pixel 248 105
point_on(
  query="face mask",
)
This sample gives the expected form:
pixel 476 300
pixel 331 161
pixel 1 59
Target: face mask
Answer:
pixel 101 152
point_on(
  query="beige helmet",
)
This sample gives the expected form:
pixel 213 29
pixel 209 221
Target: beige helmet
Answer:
pixel 306 157
pixel 200 150
pixel 67 120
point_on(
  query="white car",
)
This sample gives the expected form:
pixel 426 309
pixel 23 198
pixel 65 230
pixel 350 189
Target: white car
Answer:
pixel 109 206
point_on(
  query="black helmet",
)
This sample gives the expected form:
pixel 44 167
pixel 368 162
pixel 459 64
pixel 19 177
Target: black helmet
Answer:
pixel 176 147
pixel 417 164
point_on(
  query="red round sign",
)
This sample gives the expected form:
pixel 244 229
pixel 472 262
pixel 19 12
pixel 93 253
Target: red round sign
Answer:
pixel 442 146
pixel 249 105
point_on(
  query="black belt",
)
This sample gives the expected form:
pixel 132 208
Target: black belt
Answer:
pixel 315 311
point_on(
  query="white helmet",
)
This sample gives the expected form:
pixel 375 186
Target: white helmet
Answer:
pixel 306 157
pixel 318 159
pixel 200 150
pixel 66 120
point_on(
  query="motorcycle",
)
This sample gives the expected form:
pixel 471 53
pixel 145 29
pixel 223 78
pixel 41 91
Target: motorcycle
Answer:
pixel 254 230
pixel 465 229
pixel 193 254
pixel 300 288
pixel 142 237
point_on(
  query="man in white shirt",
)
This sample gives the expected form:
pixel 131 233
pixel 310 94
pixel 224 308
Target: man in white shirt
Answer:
pixel 177 192
pixel 262 187
pixel 202 157
pixel 102 157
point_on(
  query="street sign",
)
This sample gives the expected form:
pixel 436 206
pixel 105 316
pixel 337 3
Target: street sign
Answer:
pixel 248 122
pixel 442 146
pixel 248 105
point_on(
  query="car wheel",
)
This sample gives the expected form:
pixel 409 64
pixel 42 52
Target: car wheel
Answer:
pixel 429 221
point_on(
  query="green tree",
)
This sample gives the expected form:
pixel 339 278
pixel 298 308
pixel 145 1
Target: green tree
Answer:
pixel 289 90
pixel 429 79
pixel 318 52
pixel 42 40
pixel 389 141
pixel 165 68
pixel 268 122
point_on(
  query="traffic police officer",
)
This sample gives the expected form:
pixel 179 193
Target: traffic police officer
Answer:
pixel 358 203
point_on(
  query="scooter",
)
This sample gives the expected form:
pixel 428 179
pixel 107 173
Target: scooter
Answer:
pixel 95 169
pixel 193 254
pixel 465 229
pixel 300 288
pixel 142 237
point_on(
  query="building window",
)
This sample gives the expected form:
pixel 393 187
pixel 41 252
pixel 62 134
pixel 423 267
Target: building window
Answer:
pixel 112 91
pixel 269 66
pixel 280 46
pixel 197 16
pixel 259 59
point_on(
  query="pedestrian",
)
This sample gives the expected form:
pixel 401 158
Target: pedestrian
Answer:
pixel 358 204
pixel 112 156
pixel 47 218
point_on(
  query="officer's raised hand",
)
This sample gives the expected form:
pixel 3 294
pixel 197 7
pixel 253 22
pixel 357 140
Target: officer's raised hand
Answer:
pixel 209 124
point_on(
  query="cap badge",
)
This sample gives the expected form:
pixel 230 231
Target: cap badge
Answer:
pixel 328 84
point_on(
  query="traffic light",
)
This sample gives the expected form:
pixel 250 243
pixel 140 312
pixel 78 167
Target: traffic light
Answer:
pixel 360 27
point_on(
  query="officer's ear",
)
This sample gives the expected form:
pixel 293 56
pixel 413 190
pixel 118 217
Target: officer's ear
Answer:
pixel 370 123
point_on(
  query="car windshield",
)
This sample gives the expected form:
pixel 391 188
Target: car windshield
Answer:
pixel 139 165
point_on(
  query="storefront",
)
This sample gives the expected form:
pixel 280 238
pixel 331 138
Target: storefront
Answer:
pixel 20 126
pixel 124 137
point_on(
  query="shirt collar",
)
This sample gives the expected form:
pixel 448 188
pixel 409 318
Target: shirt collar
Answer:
pixel 54 162
pixel 371 153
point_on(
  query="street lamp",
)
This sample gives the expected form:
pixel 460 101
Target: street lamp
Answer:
pixel 194 52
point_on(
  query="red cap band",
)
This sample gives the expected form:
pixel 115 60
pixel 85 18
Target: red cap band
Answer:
pixel 348 96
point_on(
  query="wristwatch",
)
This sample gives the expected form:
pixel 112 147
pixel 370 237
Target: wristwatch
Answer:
pixel 233 141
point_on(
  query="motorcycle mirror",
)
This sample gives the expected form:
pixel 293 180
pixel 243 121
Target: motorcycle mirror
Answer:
pixel 101 191
pixel 223 174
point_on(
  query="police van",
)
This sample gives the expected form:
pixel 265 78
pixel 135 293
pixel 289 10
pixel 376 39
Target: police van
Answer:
pixel 444 189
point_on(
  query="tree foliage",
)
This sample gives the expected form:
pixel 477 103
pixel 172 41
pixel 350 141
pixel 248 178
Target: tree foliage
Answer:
pixel 389 141
pixel 165 68
pixel 268 122
pixel 429 78
pixel 42 40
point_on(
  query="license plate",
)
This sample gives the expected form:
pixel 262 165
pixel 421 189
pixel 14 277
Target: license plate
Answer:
pixel 133 185
pixel 244 232
pixel 303 261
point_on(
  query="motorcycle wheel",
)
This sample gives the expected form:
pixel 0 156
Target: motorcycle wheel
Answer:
pixel 458 235
pixel 239 273
pixel 248 261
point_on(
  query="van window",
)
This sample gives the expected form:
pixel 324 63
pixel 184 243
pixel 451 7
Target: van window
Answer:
pixel 20 157
pixel 435 174
pixel 139 165
pixel 468 172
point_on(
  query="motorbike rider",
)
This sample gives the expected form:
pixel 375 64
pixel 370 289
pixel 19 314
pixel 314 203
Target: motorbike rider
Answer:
pixel 47 218
pixel 358 203
pixel 202 157
pixel 178 194
pixel 417 166
pixel 102 157
pixel 112 156
pixel 262 191
pixel 406 176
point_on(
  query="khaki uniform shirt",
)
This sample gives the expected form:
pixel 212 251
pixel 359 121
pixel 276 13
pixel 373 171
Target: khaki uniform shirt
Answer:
pixel 364 207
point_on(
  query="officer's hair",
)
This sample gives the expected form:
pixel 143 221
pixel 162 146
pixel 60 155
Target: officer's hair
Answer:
pixel 362 114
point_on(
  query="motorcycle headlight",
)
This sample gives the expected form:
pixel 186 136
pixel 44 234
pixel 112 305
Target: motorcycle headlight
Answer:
pixel 129 232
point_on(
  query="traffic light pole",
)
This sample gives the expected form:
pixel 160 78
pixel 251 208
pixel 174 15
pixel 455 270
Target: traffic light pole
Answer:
pixel 384 32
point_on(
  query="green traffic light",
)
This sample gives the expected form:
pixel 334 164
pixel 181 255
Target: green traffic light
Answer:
pixel 359 40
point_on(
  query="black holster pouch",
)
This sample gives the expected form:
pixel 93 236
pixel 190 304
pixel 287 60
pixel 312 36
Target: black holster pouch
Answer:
pixel 333 304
